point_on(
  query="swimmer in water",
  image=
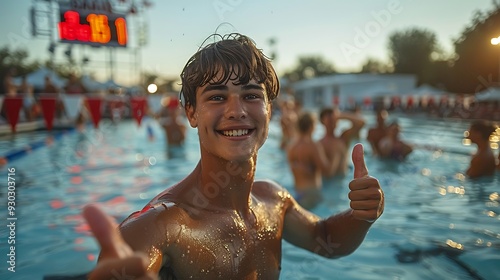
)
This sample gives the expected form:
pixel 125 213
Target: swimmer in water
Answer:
pixel 391 146
pixel 219 222
pixel 375 134
pixel 336 147
pixel 173 123
pixel 308 163
pixel 483 162
pixel 498 161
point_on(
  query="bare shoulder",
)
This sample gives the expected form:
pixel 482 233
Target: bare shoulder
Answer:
pixel 148 227
pixel 151 212
pixel 270 190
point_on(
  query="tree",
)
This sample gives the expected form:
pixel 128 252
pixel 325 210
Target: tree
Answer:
pixel 309 67
pixel 165 84
pixel 411 50
pixel 17 60
pixel 375 66
pixel 477 61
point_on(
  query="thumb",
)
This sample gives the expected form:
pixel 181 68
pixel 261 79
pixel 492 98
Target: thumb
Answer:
pixel 105 230
pixel 358 159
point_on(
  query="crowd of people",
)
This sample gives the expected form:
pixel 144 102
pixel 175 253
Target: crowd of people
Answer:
pixel 31 106
pixel 116 106
pixel 310 161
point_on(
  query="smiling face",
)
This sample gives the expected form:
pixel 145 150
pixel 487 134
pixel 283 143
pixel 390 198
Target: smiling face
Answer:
pixel 232 119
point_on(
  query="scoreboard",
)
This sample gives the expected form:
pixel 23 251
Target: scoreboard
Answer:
pixel 80 25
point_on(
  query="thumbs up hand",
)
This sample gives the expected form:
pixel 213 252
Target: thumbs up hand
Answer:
pixel 117 260
pixel 367 198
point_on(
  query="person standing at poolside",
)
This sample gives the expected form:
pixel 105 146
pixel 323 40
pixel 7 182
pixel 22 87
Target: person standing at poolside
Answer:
pixel 336 147
pixel 9 87
pixel 483 161
pixel 219 222
pixel 375 134
pixel 307 162
pixel 75 86
pixel 50 88
pixel 29 102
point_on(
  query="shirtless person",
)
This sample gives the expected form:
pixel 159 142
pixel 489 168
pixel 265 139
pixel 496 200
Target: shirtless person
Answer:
pixel 483 162
pixel 375 134
pixel 288 123
pixel 218 222
pixel 308 162
pixel 391 146
pixel 172 123
pixel 335 147
pixel 498 161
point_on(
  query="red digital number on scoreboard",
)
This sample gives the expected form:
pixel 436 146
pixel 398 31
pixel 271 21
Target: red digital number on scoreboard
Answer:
pixel 94 29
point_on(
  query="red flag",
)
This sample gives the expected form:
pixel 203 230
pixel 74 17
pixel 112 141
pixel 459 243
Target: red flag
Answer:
pixel 138 105
pixel 94 105
pixel 12 108
pixel 48 110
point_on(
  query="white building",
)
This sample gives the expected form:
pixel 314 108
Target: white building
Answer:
pixel 346 90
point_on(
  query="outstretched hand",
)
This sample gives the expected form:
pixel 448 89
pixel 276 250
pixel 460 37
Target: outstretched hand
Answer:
pixel 117 260
pixel 367 198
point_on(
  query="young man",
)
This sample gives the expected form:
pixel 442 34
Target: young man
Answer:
pixel 391 146
pixel 172 122
pixel 288 123
pixel 335 147
pixel 498 162
pixel 218 222
pixel 483 162
pixel 375 134
pixel 307 162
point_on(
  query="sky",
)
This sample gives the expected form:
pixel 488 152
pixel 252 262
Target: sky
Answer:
pixel 345 33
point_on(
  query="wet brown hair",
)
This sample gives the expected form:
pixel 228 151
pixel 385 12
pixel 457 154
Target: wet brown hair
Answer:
pixel 232 54
pixel 325 112
pixel 305 122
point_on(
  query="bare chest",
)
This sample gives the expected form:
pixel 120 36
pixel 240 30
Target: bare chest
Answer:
pixel 226 249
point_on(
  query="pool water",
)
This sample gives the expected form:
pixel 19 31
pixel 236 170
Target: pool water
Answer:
pixel 437 224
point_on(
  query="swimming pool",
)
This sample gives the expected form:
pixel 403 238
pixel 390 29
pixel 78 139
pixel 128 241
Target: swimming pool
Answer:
pixel 436 225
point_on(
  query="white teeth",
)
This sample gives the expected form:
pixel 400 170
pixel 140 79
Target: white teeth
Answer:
pixel 235 132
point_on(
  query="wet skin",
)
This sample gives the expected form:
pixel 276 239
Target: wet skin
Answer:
pixel 483 161
pixel 336 148
pixel 220 223
pixel 307 162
